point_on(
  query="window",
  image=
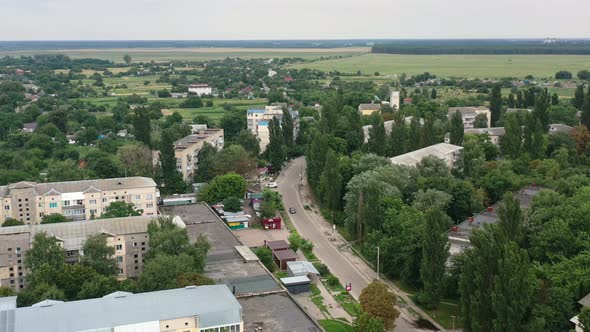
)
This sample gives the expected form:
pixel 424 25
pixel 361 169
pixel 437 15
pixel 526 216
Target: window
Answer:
pixel 149 197
pixel 120 259
pixel 120 271
pixel 93 212
pixel 80 202
pixel 136 197
pixel 65 203
pixel 104 199
pixel 53 205
pixel 92 202
pixel 119 247
pixel 6 207
pixel 149 205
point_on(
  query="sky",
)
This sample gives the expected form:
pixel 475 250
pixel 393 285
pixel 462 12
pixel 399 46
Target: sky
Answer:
pixel 290 19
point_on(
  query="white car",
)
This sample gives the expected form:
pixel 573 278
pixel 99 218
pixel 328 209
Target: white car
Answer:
pixel 272 185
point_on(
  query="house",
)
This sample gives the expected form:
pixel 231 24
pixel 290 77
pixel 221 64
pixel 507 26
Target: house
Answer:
pixel 194 309
pixel 368 109
pixel 585 303
pixel 468 115
pixel 187 150
pixel 288 79
pixel 127 235
pixel 495 133
pixel 257 121
pixel 123 133
pixel 76 200
pixel 451 154
pixel 459 234
pixel 200 89
pixel 302 268
pixel 29 127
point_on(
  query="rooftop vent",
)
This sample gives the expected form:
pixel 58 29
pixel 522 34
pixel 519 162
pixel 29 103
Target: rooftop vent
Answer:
pixel 190 287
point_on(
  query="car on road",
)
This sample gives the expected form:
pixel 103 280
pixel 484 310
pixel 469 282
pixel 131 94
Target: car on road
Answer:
pixel 292 210
pixel 272 185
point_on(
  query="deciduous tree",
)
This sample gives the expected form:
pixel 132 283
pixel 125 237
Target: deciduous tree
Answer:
pixel 379 302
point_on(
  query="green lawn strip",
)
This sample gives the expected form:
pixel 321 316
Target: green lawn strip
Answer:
pixel 318 300
pixel 443 313
pixel 331 325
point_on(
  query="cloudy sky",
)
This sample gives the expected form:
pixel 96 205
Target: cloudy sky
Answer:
pixel 290 19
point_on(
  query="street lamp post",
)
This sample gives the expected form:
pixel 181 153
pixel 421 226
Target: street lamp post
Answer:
pixel 453 317
pixel 378 263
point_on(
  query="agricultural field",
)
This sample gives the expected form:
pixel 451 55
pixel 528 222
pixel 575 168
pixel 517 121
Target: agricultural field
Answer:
pixel 463 66
pixel 196 54
pixel 216 112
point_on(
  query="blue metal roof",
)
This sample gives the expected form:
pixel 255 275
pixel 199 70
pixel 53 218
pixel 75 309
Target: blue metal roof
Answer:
pixel 255 111
pixel 263 123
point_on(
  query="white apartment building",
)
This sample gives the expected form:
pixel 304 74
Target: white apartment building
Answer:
pixel 394 100
pixel 187 149
pixel 258 121
pixel 76 200
pixel 469 113
pixel 451 154
pixel 200 89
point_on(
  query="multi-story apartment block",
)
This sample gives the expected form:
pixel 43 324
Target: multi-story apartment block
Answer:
pixel 469 113
pixel 258 121
pixel 187 150
pixel 210 308
pixel 451 154
pixel 127 235
pixel 76 200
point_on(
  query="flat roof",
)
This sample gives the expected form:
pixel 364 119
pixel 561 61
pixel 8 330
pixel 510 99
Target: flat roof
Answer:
pixel 295 280
pixel 414 157
pixel 277 244
pixel 494 131
pixel 215 305
pixel 73 234
pixel 468 109
pixel 246 253
pixel 189 140
pixel 302 267
pixel 285 254
pixel 81 186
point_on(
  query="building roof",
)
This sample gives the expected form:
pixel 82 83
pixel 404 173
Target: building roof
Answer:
pixel 80 186
pixel 199 85
pixel 263 123
pixel 30 125
pixel 494 131
pixel 247 254
pixel 190 140
pixel 516 110
pixel 214 305
pixel 302 268
pixel 285 254
pixel 74 233
pixel 369 107
pixel 277 245
pixel 560 128
pixel 298 280
pixel 585 301
pixel 487 217
pixel 414 157
pixel 468 109
pixel 252 111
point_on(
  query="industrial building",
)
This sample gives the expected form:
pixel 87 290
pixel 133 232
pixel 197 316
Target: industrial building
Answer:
pixel 451 154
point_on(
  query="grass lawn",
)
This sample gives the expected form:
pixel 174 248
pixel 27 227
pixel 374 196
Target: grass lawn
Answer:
pixel 195 54
pixel 331 325
pixel 470 66
pixel 443 313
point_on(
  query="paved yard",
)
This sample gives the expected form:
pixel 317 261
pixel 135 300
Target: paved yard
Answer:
pixel 253 237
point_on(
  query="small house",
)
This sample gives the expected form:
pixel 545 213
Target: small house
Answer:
pixel 277 245
pixel 271 223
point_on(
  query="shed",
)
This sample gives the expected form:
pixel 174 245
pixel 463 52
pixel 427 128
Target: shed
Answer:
pixel 237 222
pixel 277 245
pixel 283 256
pixel 271 223
pixel 296 285
pixel 301 268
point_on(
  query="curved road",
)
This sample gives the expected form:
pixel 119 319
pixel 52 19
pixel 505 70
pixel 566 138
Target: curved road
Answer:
pixel 331 250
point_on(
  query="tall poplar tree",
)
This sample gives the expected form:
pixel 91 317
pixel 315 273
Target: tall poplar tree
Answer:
pixel 456 129
pixel 496 103
pixel 170 179
pixel 435 252
pixel 376 143
pixel 142 129
pixel 512 141
pixel 277 152
pixel 586 110
pixel 578 100
pixel 397 137
pixel 331 184
pixel 287 128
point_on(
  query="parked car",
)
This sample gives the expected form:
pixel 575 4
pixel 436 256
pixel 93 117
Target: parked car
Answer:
pixel 292 210
pixel 272 185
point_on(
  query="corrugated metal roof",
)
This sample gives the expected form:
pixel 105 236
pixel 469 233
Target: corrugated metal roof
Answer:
pixel 214 305
pixel 302 267
pixel 295 280
pixel 414 157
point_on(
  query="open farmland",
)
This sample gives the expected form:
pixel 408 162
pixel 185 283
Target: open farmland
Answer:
pixel 196 54
pixel 464 66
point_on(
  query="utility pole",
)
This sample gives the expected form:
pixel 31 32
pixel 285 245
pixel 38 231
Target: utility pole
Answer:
pixel 453 317
pixel 378 278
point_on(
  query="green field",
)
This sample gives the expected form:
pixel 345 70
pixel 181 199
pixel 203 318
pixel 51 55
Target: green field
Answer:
pixel 331 325
pixel 195 54
pixel 464 66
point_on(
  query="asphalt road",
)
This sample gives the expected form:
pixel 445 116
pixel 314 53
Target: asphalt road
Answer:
pixel 326 248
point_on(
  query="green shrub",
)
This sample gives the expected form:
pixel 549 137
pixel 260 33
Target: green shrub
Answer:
pixel 265 256
pixel 333 281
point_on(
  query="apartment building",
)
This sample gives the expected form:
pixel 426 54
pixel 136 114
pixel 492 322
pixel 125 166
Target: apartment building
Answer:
pixel 369 109
pixel 200 89
pixel 459 235
pixel 451 154
pixel 76 200
pixel 210 308
pixel 259 119
pixel 127 235
pixel 469 113
pixel 187 150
